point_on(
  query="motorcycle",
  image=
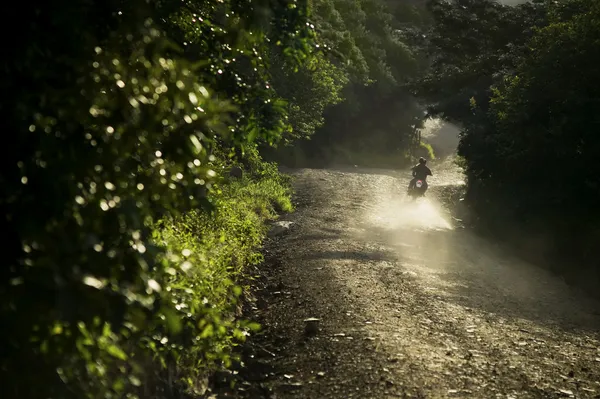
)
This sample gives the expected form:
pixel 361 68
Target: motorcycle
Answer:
pixel 418 190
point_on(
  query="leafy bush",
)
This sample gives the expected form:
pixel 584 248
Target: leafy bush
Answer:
pixel 115 128
pixel 525 91
pixel 129 146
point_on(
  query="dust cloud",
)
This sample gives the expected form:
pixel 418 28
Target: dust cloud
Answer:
pixel 405 213
pixel 399 211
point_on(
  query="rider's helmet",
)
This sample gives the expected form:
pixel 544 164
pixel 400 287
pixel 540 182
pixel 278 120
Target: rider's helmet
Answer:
pixel 422 161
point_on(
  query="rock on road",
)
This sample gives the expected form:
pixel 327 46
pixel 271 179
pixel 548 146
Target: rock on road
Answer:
pixel 411 306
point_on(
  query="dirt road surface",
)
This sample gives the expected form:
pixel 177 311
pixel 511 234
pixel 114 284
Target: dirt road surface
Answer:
pixel 410 305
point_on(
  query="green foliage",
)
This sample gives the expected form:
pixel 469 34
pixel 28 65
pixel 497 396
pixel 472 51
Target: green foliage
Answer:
pixel 472 44
pixel 124 242
pixel 367 43
pixel 116 123
pixel 461 162
pixel 309 92
pixel 383 111
pixel 497 95
pixel 556 129
pixel 113 158
pixel 524 88
pixel 235 58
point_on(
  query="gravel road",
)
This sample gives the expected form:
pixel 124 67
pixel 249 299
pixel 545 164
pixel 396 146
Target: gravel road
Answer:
pixel 411 306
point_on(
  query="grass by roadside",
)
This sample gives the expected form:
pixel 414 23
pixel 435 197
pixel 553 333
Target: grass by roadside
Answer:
pixel 208 254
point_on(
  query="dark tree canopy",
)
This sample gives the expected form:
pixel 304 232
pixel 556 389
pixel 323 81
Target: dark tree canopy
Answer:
pixel 522 83
pixel 373 53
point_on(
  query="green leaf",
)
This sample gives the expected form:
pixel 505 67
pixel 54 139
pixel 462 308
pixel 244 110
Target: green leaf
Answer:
pixel 117 352
pixel 135 381
pixel 207 332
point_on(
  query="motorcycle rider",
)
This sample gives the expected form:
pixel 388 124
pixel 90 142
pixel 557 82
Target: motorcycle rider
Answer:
pixel 420 171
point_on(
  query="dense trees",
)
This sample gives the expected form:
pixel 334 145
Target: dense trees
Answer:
pixel 524 88
pixel 121 114
pixel 373 53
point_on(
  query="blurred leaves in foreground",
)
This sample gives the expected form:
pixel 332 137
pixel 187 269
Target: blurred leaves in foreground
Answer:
pixel 121 114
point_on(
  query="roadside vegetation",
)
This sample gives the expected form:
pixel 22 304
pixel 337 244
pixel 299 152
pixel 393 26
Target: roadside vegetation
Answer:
pixel 135 193
pixel 522 83
pixel 136 188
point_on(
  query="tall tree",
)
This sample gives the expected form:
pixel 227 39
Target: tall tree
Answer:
pixel 522 83
pixel 370 46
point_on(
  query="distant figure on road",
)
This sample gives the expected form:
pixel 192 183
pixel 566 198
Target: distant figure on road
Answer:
pixel 419 171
